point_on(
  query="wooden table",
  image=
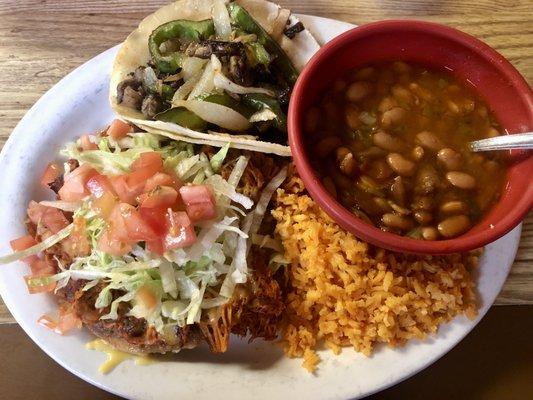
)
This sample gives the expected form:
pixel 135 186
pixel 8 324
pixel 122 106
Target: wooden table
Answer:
pixel 42 40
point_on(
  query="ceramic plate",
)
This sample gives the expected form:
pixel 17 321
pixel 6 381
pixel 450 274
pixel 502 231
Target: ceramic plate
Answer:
pixel 78 104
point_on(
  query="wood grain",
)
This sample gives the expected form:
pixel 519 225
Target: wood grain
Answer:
pixel 42 40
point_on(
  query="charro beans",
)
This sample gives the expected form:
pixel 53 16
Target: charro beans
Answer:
pixel 390 143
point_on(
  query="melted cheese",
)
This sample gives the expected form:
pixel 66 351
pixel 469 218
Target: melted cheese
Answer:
pixel 114 356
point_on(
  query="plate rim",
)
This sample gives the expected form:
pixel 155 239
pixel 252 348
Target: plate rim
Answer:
pixel 25 325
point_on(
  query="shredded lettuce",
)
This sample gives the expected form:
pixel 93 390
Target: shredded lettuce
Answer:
pixel 39 247
pixel 218 159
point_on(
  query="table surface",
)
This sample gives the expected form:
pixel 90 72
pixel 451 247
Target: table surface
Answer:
pixel 42 40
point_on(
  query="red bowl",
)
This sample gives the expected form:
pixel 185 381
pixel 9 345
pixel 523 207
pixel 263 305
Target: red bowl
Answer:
pixel 436 46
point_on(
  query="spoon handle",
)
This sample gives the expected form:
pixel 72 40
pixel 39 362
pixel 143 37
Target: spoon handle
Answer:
pixel 504 142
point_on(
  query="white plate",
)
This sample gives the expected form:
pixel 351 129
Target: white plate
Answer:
pixel 78 104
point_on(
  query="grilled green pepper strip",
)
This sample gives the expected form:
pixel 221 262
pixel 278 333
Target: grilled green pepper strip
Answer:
pixel 224 100
pixel 242 20
pixel 183 117
pixel 190 31
pixel 259 101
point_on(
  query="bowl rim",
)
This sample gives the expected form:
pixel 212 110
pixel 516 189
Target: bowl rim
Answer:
pixel 348 220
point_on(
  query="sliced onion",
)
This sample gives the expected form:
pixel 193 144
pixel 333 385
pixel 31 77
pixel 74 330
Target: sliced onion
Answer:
pixel 205 83
pixel 221 82
pixel 192 66
pixel 184 90
pixel 216 114
pixel 221 20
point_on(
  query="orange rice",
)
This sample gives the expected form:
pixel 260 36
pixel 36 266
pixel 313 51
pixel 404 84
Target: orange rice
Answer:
pixel 344 292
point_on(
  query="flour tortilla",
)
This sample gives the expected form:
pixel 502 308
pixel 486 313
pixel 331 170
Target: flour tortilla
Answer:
pixel 134 53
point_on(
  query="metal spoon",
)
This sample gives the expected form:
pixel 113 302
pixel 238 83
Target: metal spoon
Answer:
pixel 504 142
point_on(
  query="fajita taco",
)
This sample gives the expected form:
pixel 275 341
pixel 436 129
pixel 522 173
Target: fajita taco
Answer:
pixel 213 72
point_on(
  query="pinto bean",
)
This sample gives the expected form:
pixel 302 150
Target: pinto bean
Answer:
pixel 427 180
pixel 454 207
pixel 379 169
pixel 401 165
pixel 398 191
pixel 423 217
pixel 429 141
pixel 423 203
pixel 346 161
pixel 454 226
pixel 397 221
pixel 388 142
pixel 392 116
pixel 352 116
pixel 387 104
pixel 430 233
pixel 358 90
pixel 418 153
pixel 461 180
pixel 451 159
pixel 402 94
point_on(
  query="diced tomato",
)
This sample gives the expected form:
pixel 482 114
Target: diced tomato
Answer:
pixel 51 173
pixel 156 218
pixel 48 322
pixel 148 163
pixel 146 296
pixel 119 129
pixel 68 320
pixel 23 243
pixel 111 245
pixel 87 143
pixel 127 225
pixel 180 231
pixel 98 185
pixel 41 267
pixel 162 179
pixel 74 187
pixel 52 218
pixel 160 197
pixel 128 187
pixel 104 205
pixel 199 202
pixel 35 286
